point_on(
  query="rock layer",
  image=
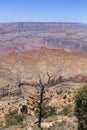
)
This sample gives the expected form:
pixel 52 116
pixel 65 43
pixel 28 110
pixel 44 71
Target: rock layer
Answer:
pixel 28 66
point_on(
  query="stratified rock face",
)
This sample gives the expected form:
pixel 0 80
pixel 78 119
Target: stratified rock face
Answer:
pixel 27 67
pixel 25 37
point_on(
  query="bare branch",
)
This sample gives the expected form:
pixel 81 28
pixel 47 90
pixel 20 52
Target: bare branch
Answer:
pixel 40 82
pixel 49 77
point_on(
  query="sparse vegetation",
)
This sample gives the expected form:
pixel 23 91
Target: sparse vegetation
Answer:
pixel 13 118
pixel 48 111
pixel 64 97
pixel 59 92
pixel 66 110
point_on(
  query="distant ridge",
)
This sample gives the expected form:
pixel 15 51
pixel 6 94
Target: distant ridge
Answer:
pixel 29 36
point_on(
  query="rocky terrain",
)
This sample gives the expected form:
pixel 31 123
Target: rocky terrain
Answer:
pixel 29 51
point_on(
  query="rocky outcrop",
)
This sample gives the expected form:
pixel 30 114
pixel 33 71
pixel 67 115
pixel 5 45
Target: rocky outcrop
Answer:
pixel 7 91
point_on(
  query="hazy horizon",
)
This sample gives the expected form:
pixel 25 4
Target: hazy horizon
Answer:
pixel 45 22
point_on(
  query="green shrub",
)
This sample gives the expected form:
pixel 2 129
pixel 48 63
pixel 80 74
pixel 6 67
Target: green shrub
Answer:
pixel 47 111
pixel 66 110
pixel 64 97
pixel 59 92
pixel 13 118
pixel 81 108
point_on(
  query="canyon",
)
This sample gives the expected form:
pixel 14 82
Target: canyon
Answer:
pixel 32 50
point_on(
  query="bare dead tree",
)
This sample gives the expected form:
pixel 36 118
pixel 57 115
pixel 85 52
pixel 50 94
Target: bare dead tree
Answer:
pixel 41 100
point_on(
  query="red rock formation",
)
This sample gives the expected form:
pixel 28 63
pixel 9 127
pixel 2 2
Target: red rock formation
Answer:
pixel 58 62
